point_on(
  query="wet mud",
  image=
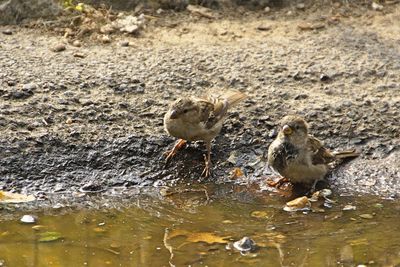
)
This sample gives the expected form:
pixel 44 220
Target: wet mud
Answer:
pixel 71 125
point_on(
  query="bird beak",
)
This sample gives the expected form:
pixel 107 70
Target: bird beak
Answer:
pixel 287 130
pixel 173 114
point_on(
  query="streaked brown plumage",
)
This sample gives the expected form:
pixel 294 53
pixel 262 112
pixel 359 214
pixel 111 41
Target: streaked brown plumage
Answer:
pixel 298 156
pixel 199 118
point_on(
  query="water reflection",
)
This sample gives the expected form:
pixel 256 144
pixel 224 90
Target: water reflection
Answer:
pixel 196 228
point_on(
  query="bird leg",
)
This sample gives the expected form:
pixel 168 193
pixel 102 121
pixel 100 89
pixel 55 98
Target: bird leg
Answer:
pixel 278 183
pixel 312 190
pixel 207 159
pixel 171 153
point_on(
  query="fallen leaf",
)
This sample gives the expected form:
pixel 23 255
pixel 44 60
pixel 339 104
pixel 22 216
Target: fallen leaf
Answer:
pixel 38 227
pixel 300 203
pixel 357 242
pixel 49 236
pixel 99 230
pixel 259 214
pixel 7 197
pixel 207 237
pixel 366 216
pixel 349 207
pixel 236 173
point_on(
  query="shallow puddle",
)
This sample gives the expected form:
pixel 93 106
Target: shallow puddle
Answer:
pixel 197 228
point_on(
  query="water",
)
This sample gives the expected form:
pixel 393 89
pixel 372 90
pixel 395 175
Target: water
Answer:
pixel 180 230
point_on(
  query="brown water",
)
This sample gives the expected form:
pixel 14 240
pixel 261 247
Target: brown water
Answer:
pixel 195 229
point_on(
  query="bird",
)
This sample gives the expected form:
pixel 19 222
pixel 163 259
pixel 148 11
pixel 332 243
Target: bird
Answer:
pixel 199 118
pixel 298 156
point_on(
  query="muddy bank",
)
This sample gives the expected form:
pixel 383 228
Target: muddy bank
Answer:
pixel 94 122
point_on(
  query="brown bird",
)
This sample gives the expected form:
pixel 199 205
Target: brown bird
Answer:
pixel 193 119
pixel 300 157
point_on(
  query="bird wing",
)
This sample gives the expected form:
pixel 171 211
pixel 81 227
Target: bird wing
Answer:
pixel 212 110
pixel 320 154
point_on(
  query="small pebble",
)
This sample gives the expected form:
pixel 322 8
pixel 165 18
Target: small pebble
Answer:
pixel 124 43
pixel 7 32
pixel 106 39
pixel 301 6
pixel 77 43
pixel 349 207
pixel 246 244
pixel 324 78
pixel 263 28
pixel 28 219
pixel 377 7
pixel 366 216
pixel 80 55
pixel 29 86
pixel 58 48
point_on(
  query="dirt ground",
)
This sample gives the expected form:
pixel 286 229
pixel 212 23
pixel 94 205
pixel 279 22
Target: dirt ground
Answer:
pixel 94 123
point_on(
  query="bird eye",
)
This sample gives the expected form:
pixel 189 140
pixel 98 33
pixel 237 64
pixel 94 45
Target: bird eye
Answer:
pixel 185 111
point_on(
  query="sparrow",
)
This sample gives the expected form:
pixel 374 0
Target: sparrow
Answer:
pixel 300 157
pixel 199 118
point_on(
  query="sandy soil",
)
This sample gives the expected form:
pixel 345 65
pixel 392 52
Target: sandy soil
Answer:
pixel 68 123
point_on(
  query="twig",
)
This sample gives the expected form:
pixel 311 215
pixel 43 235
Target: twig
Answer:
pixel 168 247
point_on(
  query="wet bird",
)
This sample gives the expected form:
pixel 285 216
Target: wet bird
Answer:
pixel 300 157
pixel 199 118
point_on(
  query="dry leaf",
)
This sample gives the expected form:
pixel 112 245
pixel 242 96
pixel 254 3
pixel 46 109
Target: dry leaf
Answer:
pixel 259 214
pixel 7 197
pixel 300 203
pixel 236 173
pixel 206 237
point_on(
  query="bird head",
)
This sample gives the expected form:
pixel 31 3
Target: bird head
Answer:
pixel 183 108
pixel 294 128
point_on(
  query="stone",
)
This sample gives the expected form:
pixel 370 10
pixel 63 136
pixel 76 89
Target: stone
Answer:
pixel 29 86
pixel 246 244
pixel 58 48
pixel 324 78
pixel 301 6
pixel 105 39
pixel 131 28
pixel 77 43
pixel 15 11
pixel 107 29
pixel 79 55
pixel 124 43
pixel 129 24
pixel 7 32
pixel 377 7
pixel 263 27
pixel 28 219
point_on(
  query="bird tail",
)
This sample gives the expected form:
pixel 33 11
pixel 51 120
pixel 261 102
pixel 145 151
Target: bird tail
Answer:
pixel 351 153
pixel 233 97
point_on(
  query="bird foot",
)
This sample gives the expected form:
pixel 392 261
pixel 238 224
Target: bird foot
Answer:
pixel 171 153
pixel 207 169
pixel 278 183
